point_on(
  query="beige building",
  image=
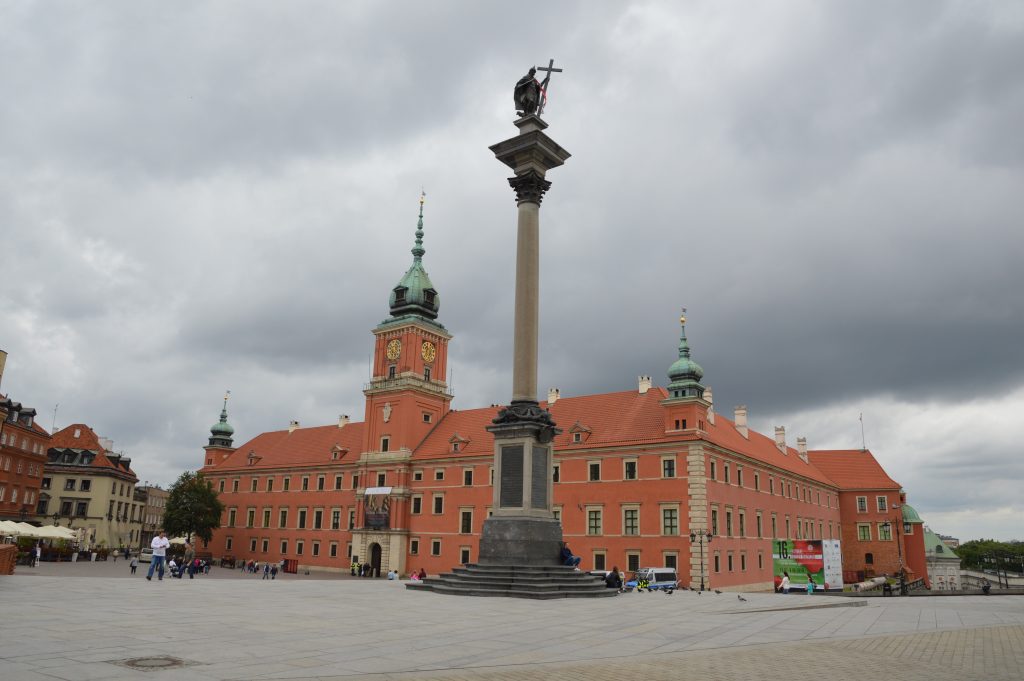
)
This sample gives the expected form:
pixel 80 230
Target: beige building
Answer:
pixel 88 487
pixel 154 501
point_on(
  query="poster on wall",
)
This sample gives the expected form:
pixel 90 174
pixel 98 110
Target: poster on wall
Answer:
pixel 816 561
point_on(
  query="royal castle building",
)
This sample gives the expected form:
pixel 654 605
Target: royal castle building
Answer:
pixel 645 477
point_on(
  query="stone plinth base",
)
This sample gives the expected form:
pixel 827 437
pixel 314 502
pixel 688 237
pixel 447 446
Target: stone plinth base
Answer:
pixel 516 540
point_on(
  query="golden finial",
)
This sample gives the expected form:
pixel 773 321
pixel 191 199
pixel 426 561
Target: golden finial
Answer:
pixel 682 317
pixel 423 196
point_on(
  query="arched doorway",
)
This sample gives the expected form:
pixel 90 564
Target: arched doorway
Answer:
pixel 375 553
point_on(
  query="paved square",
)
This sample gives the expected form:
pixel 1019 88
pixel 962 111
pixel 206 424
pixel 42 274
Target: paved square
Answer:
pixel 84 621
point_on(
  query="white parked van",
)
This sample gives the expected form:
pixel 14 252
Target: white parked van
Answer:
pixel 661 578
pixel 146 555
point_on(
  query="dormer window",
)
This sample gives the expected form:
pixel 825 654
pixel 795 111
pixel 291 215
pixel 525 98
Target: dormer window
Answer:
pixel 429 296
pixel 400 295
pixel 577 437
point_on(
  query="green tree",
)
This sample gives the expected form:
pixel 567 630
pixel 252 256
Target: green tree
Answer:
pixel 192 507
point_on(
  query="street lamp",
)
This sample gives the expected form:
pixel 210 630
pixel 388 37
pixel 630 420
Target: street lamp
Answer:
pixel 701 535
pixel 899 551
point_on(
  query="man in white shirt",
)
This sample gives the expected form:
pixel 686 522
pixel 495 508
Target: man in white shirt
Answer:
pixel 159 545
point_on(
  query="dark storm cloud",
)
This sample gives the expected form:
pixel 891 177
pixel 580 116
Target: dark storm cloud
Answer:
pixel 209 196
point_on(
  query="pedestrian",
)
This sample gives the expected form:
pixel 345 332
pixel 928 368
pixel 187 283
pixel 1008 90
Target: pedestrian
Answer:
pixel 784 587
pixel 190 557
pixel 134 564
pixel 273 572
pixel 38 553
pixel 391 575
pixel 353 567
pixel 206 567
pixel 810 586
pixel 614 579
pixel 159 546
pixel 115 554
pixel 423 574
pixel 266 571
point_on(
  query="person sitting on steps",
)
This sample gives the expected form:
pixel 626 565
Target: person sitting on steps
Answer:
pixel 568 558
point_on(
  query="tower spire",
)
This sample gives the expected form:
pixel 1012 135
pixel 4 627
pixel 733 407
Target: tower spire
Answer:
pixel 685 374
pixel 221 432
pixel 415 295
pixel 418 250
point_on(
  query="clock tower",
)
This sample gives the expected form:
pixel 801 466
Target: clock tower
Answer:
pixel 406 397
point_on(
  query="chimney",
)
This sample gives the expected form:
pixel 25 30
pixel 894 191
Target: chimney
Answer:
pixel 780 438
pixel 644 384
pixel 342 420
pixel 292 426
pixel 553 395
pixel 711 400
pixel 740 417
pixel 801 448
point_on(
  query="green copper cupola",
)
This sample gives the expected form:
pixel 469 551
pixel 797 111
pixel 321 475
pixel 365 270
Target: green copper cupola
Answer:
pixel 415 294
pixel 685 374
pixel 221 432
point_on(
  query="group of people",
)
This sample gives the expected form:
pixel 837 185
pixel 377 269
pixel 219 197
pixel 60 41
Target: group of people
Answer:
pixel 189 564
pixel 268 570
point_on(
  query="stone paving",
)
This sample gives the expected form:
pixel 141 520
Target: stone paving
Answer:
pixel 84 625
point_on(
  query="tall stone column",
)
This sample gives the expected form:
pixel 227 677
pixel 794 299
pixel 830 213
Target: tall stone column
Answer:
pixel 522 529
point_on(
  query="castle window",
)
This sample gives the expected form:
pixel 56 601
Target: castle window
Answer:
pixel 385 444
pixel 630 470
pixel 391 371
pixel 427 417
pixel 426 373
pixel 380 479
pixel 595 471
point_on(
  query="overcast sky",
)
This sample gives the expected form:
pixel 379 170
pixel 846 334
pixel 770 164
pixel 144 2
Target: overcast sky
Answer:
pixel 197 196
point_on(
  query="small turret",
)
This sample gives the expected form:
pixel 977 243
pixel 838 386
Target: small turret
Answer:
pixel 685 374
pixel 221 432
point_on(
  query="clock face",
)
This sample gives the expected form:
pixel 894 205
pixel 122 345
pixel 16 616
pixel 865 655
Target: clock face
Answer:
pixel 394 349
pixel 428 351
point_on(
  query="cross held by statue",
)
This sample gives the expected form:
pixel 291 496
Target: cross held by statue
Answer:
pixel 550 68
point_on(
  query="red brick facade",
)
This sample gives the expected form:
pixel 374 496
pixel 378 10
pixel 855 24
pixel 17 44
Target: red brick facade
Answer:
pixel 23 445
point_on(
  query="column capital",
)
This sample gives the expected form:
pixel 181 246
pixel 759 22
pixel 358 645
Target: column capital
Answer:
pixel 529 187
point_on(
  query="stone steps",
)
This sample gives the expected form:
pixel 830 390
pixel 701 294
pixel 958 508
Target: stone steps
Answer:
pixel 516 581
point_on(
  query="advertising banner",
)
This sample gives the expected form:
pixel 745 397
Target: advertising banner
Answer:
pixel 814 560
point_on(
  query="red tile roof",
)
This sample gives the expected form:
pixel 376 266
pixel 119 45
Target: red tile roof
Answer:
pixel 852 469
pixel 619 419
pixel 302 447
pixel 87 438
pixel 615 420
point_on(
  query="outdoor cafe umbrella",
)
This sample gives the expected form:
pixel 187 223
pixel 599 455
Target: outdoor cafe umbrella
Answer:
pixel 9 527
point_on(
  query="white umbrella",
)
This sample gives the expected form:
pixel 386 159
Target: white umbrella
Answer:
pixel 51 532
pixel 27 530
pixel 179 541
pixel 9 527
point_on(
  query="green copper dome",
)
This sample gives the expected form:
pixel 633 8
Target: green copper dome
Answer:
pixel 415 294
pixel 685 374
pixel 221 432
pixel 911 516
